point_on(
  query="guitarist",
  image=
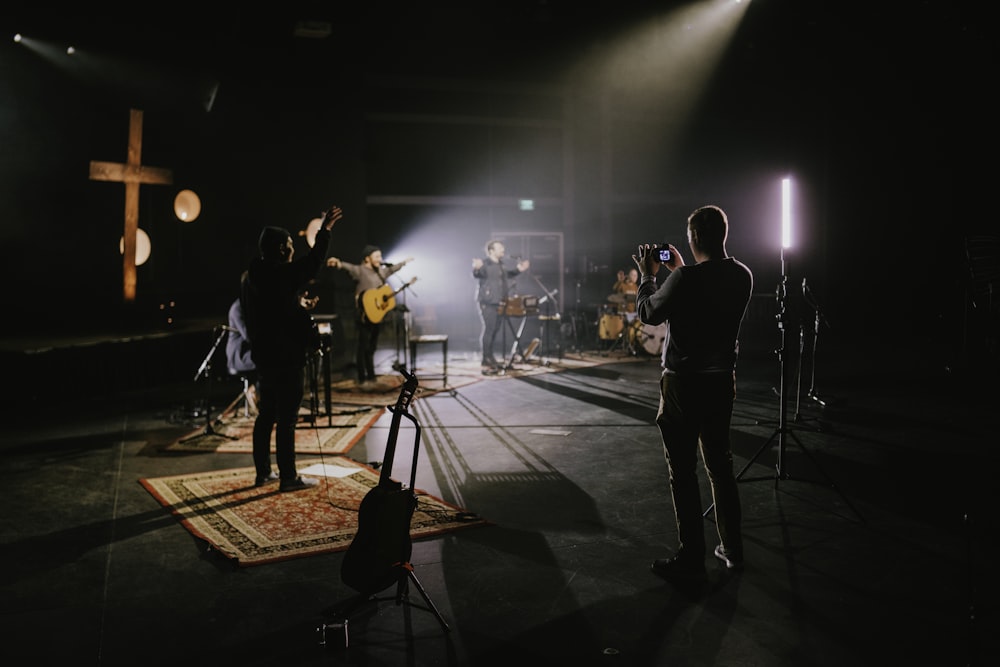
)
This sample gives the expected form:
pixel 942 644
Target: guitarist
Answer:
pixel 371 273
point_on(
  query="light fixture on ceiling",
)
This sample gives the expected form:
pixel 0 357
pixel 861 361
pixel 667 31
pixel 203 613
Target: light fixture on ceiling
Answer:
pixel 313 29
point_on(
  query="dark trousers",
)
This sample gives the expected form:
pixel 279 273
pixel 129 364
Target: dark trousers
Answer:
pixel 492 323
pixel 698 408
pixel 366 346
pixel 280 397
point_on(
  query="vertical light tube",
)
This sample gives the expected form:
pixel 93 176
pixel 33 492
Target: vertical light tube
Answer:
pixel 786 212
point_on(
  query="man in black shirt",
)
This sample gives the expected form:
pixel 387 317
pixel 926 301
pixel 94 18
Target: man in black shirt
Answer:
pixel 281 333
pixel 493 275
pixel 703 305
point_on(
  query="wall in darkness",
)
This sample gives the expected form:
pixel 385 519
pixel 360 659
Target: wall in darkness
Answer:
pixel 881 119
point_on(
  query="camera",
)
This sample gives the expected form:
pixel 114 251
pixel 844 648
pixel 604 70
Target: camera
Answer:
pixel 662 252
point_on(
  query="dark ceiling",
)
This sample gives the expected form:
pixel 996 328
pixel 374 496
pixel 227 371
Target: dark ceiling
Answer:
pixel 891 100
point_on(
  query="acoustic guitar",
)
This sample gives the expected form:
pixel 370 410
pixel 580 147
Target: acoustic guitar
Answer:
pixel 376 302
pixel 379 554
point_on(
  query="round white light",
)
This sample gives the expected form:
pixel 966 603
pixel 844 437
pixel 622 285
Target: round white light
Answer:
pixel 143 247
pixel 187 206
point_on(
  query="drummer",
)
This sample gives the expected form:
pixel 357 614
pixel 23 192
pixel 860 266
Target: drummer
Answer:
pixel 626 288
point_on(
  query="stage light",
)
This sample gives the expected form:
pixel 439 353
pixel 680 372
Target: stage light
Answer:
pixel 310 231
pixel 17 38
pixel 786 213
pixel 70 50
pixel 143 247
pixel 187 206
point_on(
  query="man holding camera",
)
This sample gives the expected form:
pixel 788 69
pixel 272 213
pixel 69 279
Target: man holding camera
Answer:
pixel 703 305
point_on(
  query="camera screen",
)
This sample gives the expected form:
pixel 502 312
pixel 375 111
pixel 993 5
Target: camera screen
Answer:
pixel 664 254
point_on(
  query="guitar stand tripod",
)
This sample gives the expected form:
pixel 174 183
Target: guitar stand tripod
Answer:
pixel 206 370
pixel 339 615
pixel 783 429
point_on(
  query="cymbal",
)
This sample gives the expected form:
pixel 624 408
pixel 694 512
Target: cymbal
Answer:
pixel 616 298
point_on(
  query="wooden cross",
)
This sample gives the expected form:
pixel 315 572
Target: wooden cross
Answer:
pixel 131 174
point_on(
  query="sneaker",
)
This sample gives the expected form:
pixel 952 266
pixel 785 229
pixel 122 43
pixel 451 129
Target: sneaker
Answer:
pixel 297 484
pixel 678 568
pixel 731 560
pixel 261 480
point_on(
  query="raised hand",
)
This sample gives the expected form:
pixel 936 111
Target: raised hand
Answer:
pixel 331 216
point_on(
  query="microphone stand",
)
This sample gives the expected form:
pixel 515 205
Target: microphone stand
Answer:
pixel 798 418
pixel 206 370
pixel 402 334
pixel 819 319
pixel 550 302
pixel 783 430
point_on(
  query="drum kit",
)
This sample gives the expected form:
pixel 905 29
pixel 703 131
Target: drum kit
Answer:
pixel 617 321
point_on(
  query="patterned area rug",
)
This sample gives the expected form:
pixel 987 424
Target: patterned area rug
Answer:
pixel 433 378
pixel 254 526
pixel 234 434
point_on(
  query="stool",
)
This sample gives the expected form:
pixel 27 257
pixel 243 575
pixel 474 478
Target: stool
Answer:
pixel 431 338
pixel 249 400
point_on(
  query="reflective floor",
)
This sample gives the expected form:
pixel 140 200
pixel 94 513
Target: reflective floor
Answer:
pixel 868 507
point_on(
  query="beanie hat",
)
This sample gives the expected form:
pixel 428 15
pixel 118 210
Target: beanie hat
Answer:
pixel 368 250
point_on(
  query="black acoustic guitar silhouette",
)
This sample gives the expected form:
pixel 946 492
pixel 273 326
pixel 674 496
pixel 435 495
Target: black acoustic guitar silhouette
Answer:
pixel 379 555
pixel 380 551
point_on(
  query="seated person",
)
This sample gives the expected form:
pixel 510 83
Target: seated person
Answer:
pixel 238 360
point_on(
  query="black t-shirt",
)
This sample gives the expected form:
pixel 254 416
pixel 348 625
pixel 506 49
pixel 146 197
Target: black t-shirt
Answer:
pixel 703 305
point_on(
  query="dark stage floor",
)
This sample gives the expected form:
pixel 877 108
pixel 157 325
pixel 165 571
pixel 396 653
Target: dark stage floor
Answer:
pixel 889 566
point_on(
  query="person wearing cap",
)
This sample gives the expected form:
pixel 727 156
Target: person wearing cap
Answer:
pixel 371 273
pixel 279 329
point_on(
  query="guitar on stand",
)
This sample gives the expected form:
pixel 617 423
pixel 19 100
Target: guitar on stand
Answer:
pixel 379 554
pixel 377 302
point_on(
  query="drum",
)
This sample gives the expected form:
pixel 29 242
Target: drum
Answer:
pixel 519 306
pixel 610 326
pixel 647 337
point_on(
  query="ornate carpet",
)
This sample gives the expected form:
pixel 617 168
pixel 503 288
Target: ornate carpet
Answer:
pixel 333 435
pixel 254 526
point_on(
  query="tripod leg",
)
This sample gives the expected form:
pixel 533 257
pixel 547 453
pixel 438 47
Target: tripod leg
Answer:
pixel 749 463
pixel 434 610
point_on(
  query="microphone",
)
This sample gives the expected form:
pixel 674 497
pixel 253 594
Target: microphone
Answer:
pixel 807 293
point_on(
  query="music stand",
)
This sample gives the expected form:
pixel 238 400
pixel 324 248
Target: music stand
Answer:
pixel 205 370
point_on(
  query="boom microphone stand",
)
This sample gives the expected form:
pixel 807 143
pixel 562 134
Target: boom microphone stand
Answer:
pixel 782 432
pixel 206 370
